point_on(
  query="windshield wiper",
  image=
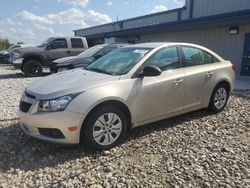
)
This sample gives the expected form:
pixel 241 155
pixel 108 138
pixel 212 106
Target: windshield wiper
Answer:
pixel 98 70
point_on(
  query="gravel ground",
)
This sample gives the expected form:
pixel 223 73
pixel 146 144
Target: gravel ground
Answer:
pixel 12 84
pixel 198 149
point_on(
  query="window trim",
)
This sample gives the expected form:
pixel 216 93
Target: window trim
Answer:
pixel 83 46
pixel 183 56
pixel 137 72
pixel 67 46
pixel 217 60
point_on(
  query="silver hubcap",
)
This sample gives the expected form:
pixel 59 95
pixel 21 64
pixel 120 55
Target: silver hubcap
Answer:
pixel 220 98
pixel 107 129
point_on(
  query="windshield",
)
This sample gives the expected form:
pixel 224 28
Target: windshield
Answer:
pixel 91 51
pixel 45 43
pixel 119 61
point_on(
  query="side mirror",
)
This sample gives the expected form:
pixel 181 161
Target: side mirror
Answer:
pixel 150 71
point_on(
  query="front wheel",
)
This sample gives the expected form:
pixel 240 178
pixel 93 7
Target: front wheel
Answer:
pixel 105 128
pixel 219 98
pixel 32 68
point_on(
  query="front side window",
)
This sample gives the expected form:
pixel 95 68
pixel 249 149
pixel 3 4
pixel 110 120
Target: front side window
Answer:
pixel 59 43
pixel 193 56
pixel 76 43
pixel 165 59
pixel 119 61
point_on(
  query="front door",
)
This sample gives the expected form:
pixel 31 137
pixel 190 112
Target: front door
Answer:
pixel 58 49
pixel 245 68
pixel 159 96
pixel 162 95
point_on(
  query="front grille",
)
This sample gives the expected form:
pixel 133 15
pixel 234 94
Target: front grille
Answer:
pixel 24 106
pixel 51 133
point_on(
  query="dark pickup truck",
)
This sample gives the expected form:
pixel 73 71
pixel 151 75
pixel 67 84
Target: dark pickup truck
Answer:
pixel 32 60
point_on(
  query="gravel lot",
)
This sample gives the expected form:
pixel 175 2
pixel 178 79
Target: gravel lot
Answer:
pixel 193 150
pixel 12 83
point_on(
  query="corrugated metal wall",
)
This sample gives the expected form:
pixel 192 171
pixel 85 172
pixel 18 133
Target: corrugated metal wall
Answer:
pixel 200 8
pixel 218 39
pixel 130 23
pixel 212 7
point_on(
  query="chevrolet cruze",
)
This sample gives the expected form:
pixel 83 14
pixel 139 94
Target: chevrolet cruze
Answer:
pixel 127 88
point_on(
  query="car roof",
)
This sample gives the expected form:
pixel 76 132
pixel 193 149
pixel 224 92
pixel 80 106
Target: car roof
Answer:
pixel 150 44
pixel 159 44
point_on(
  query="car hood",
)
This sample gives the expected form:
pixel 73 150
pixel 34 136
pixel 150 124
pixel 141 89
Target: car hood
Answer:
pixel 73 60
pixel 68 82
pixel 4 52
pixel 29 49
pixel 66 59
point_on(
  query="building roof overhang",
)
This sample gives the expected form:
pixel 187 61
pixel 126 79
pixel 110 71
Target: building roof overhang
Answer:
pixel 225 19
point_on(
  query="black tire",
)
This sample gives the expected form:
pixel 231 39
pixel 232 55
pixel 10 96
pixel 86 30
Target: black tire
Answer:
pixel 88 128
pixel 32 68
pixel 212 104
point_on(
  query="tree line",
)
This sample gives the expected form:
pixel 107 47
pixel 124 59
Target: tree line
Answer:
pixel 4 43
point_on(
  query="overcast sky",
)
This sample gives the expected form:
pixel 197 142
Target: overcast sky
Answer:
pixel 32 21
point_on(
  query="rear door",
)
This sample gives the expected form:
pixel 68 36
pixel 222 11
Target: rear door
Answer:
pixel 77 46
pixel 200 74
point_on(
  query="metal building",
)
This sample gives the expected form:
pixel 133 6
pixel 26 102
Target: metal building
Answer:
pixel 221 25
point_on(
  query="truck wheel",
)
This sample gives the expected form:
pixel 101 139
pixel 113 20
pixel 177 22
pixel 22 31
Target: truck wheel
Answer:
pixel 32 68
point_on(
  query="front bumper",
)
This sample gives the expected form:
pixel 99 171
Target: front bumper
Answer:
pixel 57 67
pixel 33 122
pixel 17 62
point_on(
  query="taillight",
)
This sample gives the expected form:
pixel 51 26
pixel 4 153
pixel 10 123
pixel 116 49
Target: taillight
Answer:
pixel 234 67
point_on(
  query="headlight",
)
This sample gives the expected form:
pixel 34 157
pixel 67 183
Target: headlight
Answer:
pixel 58 104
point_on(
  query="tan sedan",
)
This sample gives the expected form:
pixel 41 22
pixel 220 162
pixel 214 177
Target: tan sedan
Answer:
pixel 127 88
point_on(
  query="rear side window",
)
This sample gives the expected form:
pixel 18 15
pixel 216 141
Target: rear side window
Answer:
pixel 76 43
pixel 193 56
pixel 59 43
pixel 210 58
pixel 165 59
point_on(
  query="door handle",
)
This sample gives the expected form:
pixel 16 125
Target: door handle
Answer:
pixel 178 81
pixel 209 74
pixel 68 51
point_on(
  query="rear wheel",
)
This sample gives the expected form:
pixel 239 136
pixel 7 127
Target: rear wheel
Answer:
pixel 219 98
pixel 32 68
pixel 105 128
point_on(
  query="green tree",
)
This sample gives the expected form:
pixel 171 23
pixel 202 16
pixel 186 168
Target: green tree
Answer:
pixel 4 43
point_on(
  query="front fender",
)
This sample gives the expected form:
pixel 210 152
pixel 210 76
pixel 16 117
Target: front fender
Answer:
pixel 88 100
pixel 33 55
